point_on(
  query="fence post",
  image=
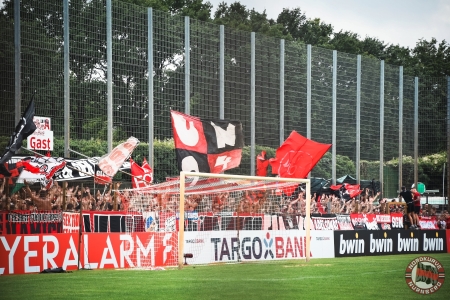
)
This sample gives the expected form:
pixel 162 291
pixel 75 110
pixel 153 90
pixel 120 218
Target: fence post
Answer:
pixel 308 98
pixel 400 128
pixel 416 129
pixel 151 121
pixel 222 73
pixel 382 126
pixel 448 143
pixel 252 106
pixel 66 80
pixel 109 93
pixel 281 91
pixel 358 119
pixel 333 113
pixel 187 66
pixel 17 64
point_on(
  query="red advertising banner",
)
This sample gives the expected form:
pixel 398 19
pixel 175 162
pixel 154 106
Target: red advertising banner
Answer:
pixel 448 240
pixel 71 222
pixel 428 223
pixel 21 254
pixel 377 221
pixel 364 221
pixel 344 222
pixel 384 221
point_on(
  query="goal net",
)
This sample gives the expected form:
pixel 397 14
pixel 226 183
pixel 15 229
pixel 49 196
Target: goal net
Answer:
pixel 202 218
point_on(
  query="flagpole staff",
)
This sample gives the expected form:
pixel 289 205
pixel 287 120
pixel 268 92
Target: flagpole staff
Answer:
pixel 8 203
pixel 141 179
pixel 64 190
pixel 80 230
pixel 115 187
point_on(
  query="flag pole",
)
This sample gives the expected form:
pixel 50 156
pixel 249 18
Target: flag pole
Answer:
pixel 80 231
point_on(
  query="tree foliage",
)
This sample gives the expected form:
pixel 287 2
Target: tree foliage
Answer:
pixel 429 58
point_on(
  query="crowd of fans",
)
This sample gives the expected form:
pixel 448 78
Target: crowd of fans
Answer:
pixel 250 201
pixel 52 199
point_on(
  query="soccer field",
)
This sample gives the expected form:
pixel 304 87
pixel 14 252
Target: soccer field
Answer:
pixel 371 277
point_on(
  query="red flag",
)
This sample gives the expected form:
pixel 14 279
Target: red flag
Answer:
pixel 336 187
pixel 353 189
pixel 319 204
pixel 297 156
pixel 261 164
pixel 141 176
pixel 13 169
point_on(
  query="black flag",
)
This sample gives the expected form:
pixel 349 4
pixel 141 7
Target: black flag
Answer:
pixel 24 128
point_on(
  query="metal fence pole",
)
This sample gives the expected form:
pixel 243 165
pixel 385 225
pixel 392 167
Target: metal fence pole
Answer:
pixel 382 125
pixel 109 74
pixel 66 80
pixel 252 107
pixel 151 159
pixel 358 119
pixel 333 113
pixel 308 91
pixel 281 91
pixel 448 143
pixel 400 127
pixel 187 65
pixel 17 64
pixel 222 73
pixel 308 97
pixel 416 129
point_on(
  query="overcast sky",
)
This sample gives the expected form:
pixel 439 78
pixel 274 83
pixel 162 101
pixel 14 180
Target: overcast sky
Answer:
pixel 401 22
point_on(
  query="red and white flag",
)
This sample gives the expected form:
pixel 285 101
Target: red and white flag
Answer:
pixel 297 156
pixel 40 169
pixel 209 146
pixel 111 162
pixel 352 190
pixel 142 176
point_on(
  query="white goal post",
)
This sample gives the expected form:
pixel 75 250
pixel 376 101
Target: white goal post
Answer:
pixel 260 189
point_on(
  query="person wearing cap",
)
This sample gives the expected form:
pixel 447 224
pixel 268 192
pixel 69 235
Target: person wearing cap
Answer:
pixel 408 197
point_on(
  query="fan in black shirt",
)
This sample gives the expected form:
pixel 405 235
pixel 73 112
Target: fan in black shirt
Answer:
pixel 408 197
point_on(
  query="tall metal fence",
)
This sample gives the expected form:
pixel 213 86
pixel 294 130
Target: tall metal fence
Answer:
pixel 89 64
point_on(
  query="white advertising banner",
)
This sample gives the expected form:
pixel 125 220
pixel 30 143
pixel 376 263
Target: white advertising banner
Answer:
pixel 255 245
pixel 40 140
pixel 42 137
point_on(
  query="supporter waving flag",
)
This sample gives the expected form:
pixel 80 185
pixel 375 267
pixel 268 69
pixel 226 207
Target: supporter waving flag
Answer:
pixel 347 191
pixel 297 156
pixel 261 164
pixel 111 162
pixel 23 129
pixel 210 146
pixel 39 169
pixel 14 170
pixel 142 176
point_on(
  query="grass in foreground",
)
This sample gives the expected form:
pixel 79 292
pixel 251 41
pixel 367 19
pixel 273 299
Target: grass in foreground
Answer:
pixel 368 277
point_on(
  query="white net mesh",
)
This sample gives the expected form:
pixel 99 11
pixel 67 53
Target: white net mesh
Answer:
pixel 221 214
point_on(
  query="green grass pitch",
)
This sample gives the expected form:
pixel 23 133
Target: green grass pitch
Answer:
pixel 369 277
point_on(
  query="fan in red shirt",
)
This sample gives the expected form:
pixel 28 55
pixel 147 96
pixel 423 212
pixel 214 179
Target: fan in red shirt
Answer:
pixel 416 201
pixel 447 219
